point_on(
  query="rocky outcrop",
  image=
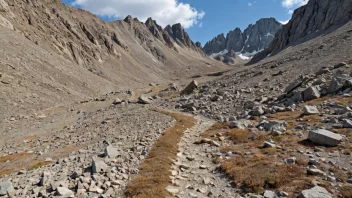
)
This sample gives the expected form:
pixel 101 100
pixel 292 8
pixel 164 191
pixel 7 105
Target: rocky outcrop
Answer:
pixel 308 22
pixel 255 38
pixel 180 36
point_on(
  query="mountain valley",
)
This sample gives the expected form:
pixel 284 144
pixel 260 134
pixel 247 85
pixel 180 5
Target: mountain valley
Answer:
pixel 131 109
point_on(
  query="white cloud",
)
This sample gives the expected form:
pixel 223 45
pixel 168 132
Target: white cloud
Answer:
pixel 250 4
pixel 292 3
pixel 165 12
pixel 284 22
pixel 200 25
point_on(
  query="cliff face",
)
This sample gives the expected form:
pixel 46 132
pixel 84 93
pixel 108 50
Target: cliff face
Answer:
pixel 254 38
pixel 307 22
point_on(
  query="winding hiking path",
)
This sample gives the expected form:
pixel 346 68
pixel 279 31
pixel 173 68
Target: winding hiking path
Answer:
pixel 176 167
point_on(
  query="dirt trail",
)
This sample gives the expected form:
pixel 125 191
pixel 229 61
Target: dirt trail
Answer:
pixel 194 173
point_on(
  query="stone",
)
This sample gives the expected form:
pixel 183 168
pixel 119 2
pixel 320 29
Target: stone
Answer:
pixel 316 192
pixel 310 110
pixel 315 171
pixel 269 145
pixel 257 111
pixel 172 190
pixel 241 124
pixel 324 137
pixel 143 99
pixel 98 166
pixel 6 188
pixel 347 123
pixel 45 180
pixel 278 125
pixel 291 160
pixel 293 85
pixel 65 192
pixel 336 84
pixel 311 93
pixel 190 88
pixel 269 194
pixel 117 101
pixel 297 97
pixel 111 152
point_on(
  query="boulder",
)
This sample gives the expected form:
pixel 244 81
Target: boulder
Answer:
pixel 311 93
pixel 6 188
pixel 46 178
pixel 270 194
pixel 111 152
pixel 336 84
pixel 241 124
pixel 117 101
pixel 324 137
pixel 293 85
pixel 297 97
pixel 190 88
pixel 257 111
pixel 143 99
pixel 275 125
pixel 316 192
pixel 347 123
pixel 64 192
pixel 310 110
pixel 98 166
pixel 269 145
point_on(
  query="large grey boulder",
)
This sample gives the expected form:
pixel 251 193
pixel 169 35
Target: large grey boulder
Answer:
pixel 98 166
pixel 64 192
pixel 5 188
pixel 324 137
pixel 143 99
pixel 337 83
pixel 258 111
pixel 316 192
pixel 241 124
pixel 190 88
pixel 310 110
pixel 311 93
pixel 111 152
pixel 347 123
pixel 275 125
pixel 292 86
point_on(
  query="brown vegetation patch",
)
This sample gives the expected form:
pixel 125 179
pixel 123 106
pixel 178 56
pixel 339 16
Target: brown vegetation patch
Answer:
pixel 154 175
pixel 259 172
pixel 346 191
pixel 292 118
pixel 38 165
pixel 235 135
pixel 15 162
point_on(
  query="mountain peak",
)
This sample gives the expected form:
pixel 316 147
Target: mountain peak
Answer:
pixel 253 39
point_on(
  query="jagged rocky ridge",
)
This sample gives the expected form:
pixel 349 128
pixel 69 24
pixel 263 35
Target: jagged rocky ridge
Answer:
pixel 308 22
pixel 254 38
pixel 70 54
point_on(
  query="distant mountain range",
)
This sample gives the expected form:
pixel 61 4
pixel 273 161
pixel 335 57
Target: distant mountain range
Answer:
pixel 255 38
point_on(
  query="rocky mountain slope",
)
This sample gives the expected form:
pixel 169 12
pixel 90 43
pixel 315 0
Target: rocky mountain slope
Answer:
pixel 253 39
pixel 54 53
pixel 316 18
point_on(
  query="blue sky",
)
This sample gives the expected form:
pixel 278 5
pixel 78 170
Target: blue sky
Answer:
pixel 204 19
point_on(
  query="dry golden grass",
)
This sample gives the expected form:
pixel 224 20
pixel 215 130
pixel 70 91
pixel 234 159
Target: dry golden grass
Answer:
pixel 38 165
pixel 346 191
pixel 256 173
pixel 292 117
pixel 235 135
pixel 154 175
pixel 15 162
